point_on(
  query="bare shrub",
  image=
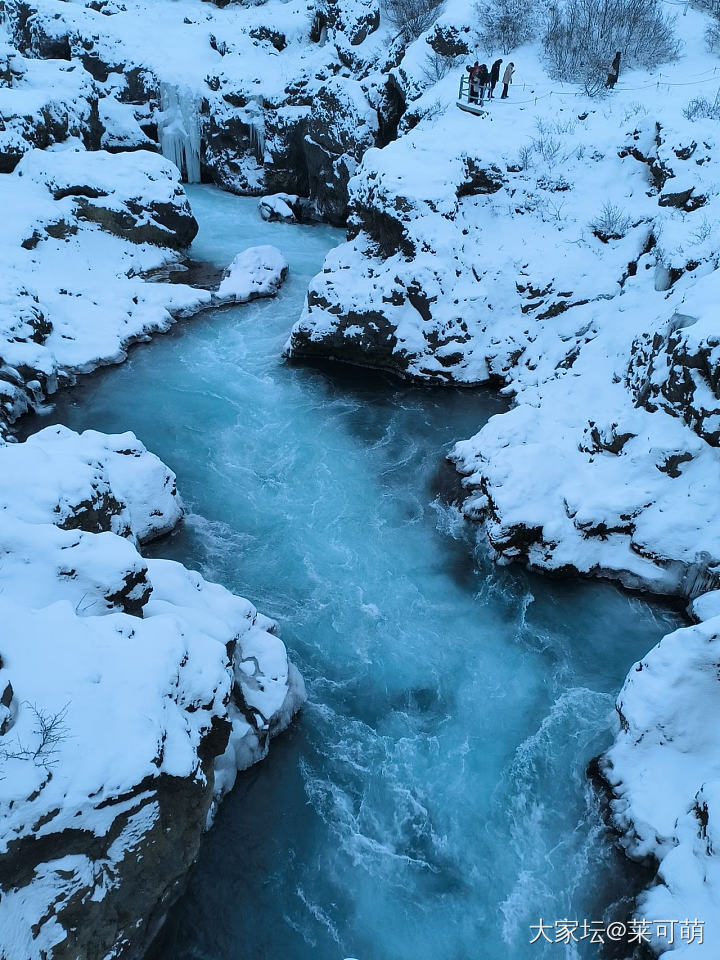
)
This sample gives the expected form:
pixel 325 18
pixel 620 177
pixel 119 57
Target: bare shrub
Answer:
pixel 410 18
pixel 635 109
pixel 505 24
pixel 49 732
pixel 548 146
pixel 703 232
pixel 526 156
pixel 436 66
pixel 582 36
pixel 712 35
pixel 611 223
pixel 700 108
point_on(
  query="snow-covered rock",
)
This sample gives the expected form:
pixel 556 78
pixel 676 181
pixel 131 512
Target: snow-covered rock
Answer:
pixel 45 102
pixel 264 98
pixel 135 196
pixel 132 692
pixel 664 772
pixel 81 230
pixel 256 272
pixel 278 206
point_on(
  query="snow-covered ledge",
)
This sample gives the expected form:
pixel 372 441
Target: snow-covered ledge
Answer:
pixel 131 693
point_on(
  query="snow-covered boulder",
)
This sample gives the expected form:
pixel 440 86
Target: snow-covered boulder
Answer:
pixel 278 207
pixel 131 692
pixel 73 248
pixel 256 272
pixel 121 129
pixel 135 196
pixel 678 369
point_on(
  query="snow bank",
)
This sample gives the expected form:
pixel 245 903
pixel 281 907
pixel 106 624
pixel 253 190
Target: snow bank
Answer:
pixel 664 770
pixel 125 686
pixel 80 231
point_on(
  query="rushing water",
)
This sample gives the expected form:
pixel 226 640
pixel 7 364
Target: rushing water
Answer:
pixel 431 802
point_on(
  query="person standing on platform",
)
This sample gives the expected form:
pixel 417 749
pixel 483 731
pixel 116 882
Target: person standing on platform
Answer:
pixel 507 79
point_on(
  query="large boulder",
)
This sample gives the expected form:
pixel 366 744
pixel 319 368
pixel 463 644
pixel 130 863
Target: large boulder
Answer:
pixel 134 196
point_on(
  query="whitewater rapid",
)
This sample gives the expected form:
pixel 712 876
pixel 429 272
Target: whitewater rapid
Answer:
pixel 432 800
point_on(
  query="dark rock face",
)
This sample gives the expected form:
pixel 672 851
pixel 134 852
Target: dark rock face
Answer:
pixel 390 109
pixel 450 41
pixel 171 224
pixel 340 129
pixel 479 179
pixel 267 34
pixel 230 151
pixel 686 200
pixel 373 347
pixel 313 149
pixel 680 372
pixel 159 824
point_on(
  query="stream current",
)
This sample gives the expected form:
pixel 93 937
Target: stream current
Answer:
pixel 431 802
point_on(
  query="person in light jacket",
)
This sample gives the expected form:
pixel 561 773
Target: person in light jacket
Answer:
pixel 507 79
pixel 494 77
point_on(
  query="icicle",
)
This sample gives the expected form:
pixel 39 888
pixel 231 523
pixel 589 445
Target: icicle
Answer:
pixel 257 141
pixel 179 130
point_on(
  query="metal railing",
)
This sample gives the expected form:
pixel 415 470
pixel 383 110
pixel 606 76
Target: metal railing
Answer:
pixel 464 91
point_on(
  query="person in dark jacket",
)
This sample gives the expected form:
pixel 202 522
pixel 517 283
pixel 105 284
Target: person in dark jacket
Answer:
pixel 614 71
pixel 472 82
pixel 483 79
pixel 507 79
pixel 494 77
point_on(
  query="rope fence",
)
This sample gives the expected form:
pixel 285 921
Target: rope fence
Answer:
pixel 463 93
